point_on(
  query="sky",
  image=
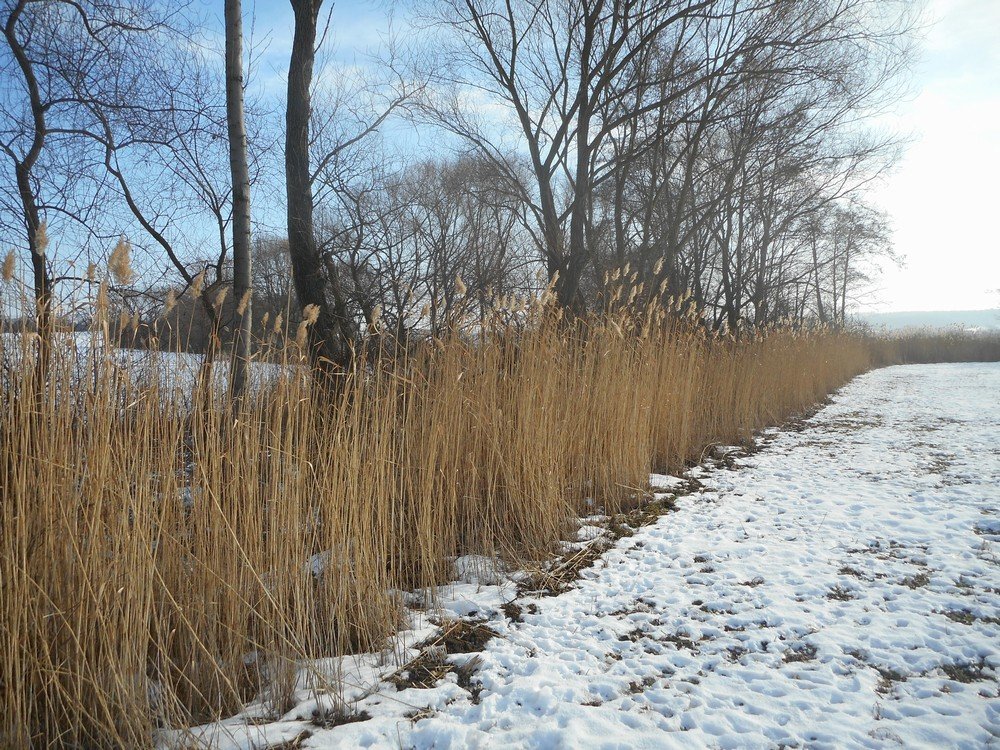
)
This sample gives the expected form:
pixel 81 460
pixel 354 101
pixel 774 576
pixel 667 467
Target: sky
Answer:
pixel 943 199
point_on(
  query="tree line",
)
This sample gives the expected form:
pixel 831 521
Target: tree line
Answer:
pixel 717 151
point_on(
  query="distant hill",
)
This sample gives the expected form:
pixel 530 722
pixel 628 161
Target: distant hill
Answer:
pixel 962 319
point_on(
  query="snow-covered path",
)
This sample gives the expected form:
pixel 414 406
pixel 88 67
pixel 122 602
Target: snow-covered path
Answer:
pixel 841 588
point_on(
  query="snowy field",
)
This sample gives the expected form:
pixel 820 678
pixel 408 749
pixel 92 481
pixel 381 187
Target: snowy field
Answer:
pixel 176 373
pixel 838 588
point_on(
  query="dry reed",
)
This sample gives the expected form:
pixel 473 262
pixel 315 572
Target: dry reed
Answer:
pixel 161 564
pixel 936 345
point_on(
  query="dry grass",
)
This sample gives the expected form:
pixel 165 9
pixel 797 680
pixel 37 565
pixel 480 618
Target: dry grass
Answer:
pixel 919 347
pixel 159 562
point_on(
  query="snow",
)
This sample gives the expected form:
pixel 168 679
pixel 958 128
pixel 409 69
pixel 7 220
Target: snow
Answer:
pixel 175 373
pixel 839 588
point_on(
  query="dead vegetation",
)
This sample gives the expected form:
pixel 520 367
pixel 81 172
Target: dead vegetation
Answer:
pixel 839 593
pixel 431 664
pixel 461 636
pixel 804 652
pixel 336 716
pixel 887 678
pixel 916 581
pixel 423 671
pixel 967 672
pixel 967 617
pixel 153 542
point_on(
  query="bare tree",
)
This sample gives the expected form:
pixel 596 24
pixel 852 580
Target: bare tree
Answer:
pixel 242 279
pixel 24 148
pixel 316 283
pixel 157 111
pixel 110 83
pixel 626 110
pixel 704 145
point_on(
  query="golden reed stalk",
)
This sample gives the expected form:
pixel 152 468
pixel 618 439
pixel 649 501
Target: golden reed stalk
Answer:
pixel 160 562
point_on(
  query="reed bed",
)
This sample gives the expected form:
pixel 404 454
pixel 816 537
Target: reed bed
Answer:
pixel 166 557
pixel 936 345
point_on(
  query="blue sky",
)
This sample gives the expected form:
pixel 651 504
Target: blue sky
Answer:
pixel 357 26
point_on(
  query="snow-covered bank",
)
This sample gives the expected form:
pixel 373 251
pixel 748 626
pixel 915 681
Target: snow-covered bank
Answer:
pixel 841 588
pixel 85 354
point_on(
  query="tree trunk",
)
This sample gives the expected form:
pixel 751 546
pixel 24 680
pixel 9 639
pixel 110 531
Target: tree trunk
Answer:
pixel 843 287
pixel 242 288
pixel 315 281
pixel 575 263
pixel 820 311
pixel 568 289
pixel 41 279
